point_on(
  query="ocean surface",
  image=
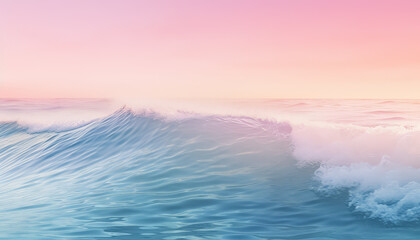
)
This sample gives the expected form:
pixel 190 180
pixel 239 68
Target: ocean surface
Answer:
pixel 233 169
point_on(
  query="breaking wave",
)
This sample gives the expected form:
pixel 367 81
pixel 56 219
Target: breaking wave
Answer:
pixel 150 174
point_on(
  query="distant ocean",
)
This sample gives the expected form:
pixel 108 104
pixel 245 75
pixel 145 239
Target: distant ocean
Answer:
pixel 233 169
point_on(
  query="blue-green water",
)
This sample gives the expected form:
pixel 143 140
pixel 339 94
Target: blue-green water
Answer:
pixel 140 176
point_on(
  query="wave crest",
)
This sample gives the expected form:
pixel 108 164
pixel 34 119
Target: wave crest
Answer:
pixel 378 167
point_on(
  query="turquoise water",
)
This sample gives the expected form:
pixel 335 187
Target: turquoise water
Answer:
pixel 141 176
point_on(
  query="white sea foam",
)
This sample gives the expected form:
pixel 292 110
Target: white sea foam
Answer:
pixel 387 191
pixel 379 166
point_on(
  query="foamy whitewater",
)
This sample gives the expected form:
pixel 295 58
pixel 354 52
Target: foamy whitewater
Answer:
pixel 243 169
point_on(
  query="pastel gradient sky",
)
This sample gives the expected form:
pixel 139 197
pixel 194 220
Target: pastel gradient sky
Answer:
pixel 210 49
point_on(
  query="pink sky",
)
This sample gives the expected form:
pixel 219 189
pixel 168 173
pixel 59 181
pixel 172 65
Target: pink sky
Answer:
pixel 210 49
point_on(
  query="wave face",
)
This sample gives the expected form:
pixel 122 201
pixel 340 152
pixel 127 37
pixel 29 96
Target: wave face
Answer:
pixel 144 175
